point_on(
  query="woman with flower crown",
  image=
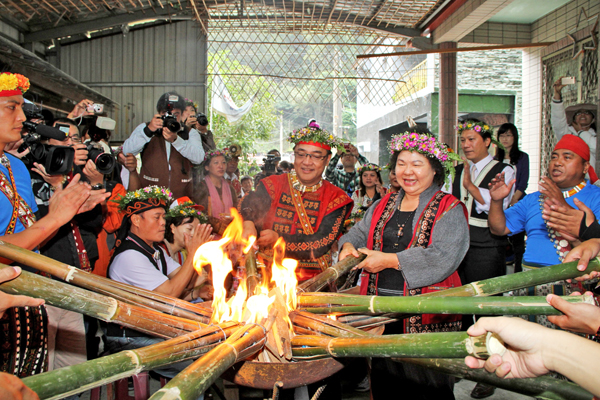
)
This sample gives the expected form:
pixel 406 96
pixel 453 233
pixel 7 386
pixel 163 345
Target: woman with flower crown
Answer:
pixel 370 189
pixel 215 194
pixel 414 240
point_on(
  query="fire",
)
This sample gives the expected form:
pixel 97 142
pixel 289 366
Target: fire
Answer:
pixel 239 308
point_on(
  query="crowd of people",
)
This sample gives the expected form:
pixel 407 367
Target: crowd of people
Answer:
pixel 443 221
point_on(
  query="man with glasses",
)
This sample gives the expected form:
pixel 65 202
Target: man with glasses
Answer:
pixel 582 124
pixel 74 244
pixel 300 207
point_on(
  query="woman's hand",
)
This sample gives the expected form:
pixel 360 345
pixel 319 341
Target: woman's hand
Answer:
pixel 347 250
pixel 527 343
pixel 582 318
pixel 53 180
pixel 201 235
pixel 377 261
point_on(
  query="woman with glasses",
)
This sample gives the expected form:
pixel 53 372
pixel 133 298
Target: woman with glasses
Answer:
pixel 508 135
pixel 414 240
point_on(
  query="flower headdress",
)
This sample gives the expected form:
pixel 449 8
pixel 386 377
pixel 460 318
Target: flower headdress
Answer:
pixel 184 207
pixel 369 167
pixel 13 84
pixel 480 127
pixel 427 145
pixel 215 153
pixel 192 103
pixel 144 199
pixel 313 135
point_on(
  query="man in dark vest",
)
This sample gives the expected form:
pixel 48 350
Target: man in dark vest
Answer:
pixel 168 147
pixel 486 255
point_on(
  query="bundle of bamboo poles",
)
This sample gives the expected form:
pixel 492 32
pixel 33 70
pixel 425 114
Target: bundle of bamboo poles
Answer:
pixel 334 338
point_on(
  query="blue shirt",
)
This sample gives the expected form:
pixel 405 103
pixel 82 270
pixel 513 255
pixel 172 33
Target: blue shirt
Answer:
pixel 527 216
pixel 23 183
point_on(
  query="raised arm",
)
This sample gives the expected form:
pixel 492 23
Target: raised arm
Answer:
pixel 498 190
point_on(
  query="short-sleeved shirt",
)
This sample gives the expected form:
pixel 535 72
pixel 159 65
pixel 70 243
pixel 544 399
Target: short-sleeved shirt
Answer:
pixel 134 268
pixel 526 216
pixel 23 182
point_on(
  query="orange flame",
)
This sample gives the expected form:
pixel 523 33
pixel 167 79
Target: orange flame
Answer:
pixel 216 254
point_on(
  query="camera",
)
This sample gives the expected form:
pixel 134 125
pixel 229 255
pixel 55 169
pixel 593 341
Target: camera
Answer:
pixel 57 160
pixel 270 165
pixel 169 121
pixel 105 162
pixel 202 120
pixel 95 108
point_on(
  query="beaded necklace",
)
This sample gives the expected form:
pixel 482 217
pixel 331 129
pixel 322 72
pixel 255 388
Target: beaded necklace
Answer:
pixel 561 245
pixel 303 188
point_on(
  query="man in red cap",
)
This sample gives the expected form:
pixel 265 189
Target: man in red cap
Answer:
pixel 307 211
pixel 564 185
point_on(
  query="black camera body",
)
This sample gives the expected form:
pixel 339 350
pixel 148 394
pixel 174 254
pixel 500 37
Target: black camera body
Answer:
pixel 57 160
pixel 270 165
pixel 202 120
pixel 105 163
pixel 169 121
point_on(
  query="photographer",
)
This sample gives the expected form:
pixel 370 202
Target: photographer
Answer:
pixel 168 148
pixel 346 179
pixel 193 119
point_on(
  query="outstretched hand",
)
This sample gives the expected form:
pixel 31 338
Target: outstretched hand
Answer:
pixel 580 317
pixel 498 188
pixel 525 347
pixel 8 301
pixel 585 252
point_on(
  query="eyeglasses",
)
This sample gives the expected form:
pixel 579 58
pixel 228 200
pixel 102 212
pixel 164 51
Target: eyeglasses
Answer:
pixel 74 138
pixel 302 156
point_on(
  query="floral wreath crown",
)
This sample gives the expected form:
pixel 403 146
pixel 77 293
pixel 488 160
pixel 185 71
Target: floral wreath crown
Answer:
pixel 188 209
pixel 192 103
pixel 217 153
pixel 479 127
pixel 312 134
pixel 427 145
pixel 144 199
pixel 369 167
pixel 13 84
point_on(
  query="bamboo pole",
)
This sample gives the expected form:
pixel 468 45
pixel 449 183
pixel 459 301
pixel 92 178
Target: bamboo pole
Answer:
pixel 78 378
pixel 104 308
pixel 321 325
pixel 122 291
pixel 195 379
pixel 251 273
pixel 544 387
pixel 414 345
pixel 504 305
pixel 331 274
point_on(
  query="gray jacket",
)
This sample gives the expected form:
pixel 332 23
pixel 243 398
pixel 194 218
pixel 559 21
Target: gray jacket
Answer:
pixel 423 267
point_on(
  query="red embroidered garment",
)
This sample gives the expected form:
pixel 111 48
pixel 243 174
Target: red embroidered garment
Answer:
pixel 282 217
pixel 435 209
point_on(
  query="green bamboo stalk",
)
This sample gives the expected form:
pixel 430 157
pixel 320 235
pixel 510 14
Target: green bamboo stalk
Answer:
pixel 504 305
pixel 104 308
pixel 417 345
pixel 130 294
pixel 196 378
pixel 81 377
pixel 323 325
pixel 543 387
pixel 331 274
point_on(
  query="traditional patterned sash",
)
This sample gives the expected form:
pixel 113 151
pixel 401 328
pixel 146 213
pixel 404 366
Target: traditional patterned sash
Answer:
pixel 438 206
pixel 303 217
pixel 21 209
pixel 23 336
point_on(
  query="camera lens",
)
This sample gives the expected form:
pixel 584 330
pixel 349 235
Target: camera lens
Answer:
pixel 171 124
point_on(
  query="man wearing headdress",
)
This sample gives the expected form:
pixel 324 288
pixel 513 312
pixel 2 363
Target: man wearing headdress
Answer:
pixel 24 331
pixel 302 208
pixel 582 124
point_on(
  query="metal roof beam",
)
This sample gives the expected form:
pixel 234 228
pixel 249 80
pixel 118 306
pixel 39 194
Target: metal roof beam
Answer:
pixel 96 24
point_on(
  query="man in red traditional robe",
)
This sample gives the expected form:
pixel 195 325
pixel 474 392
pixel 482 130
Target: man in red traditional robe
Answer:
pixel 303 208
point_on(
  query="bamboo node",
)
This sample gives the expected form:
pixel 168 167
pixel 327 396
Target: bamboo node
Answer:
pixel 70 274
pixel 135 359
pixel 372 304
